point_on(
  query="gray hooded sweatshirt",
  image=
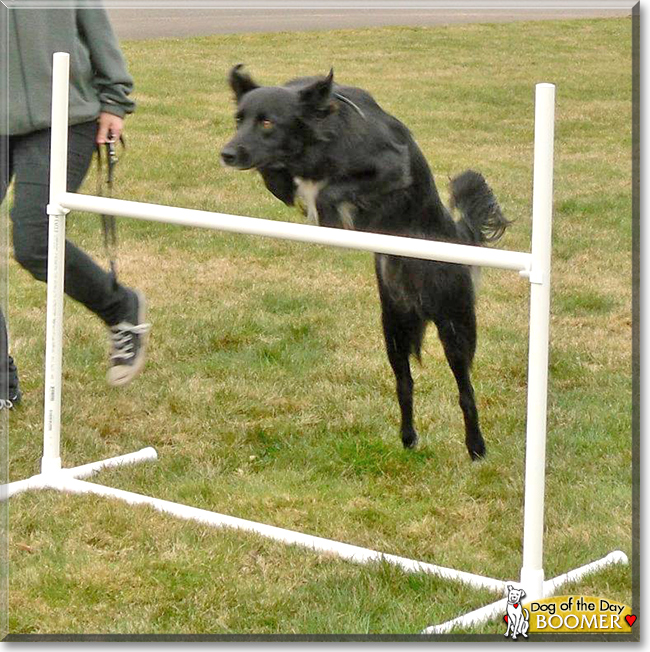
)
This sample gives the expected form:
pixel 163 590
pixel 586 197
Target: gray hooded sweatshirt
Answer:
pixel 99 80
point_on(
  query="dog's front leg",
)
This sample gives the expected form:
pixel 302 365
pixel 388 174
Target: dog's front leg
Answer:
pixel 338 201
pixel 328 203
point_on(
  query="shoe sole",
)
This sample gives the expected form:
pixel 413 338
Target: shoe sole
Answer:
pixel 131 371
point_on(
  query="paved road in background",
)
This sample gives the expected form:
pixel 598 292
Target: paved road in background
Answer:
pixel 177 23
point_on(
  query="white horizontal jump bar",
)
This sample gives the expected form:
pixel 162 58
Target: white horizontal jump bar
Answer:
pixel 376 242
pixel 353 553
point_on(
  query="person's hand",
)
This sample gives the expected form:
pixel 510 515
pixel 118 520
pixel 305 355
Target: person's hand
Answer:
pixel 109 123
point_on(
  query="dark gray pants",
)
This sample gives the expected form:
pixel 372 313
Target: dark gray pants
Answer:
pixel 27 159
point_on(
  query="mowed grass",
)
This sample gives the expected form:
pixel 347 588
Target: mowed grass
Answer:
pixel 267 393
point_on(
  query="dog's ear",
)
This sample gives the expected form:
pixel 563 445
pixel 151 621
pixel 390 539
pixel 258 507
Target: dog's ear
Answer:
pixel 523 593
pixel 316 97
pixel 240 82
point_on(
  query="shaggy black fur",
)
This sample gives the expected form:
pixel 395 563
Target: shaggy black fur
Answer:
pixel 352 165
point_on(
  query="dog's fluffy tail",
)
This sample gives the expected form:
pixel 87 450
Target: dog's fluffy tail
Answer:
pixel 482 221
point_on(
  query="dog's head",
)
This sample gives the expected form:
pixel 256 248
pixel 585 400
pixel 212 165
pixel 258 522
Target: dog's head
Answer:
pixel 515 595
pixel 274 122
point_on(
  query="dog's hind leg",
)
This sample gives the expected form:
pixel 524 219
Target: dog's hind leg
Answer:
pixel 403 333
pixel 399 332
pixel 458 336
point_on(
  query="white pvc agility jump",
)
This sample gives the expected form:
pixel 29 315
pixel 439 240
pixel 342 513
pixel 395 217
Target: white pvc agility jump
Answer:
pixel 535 266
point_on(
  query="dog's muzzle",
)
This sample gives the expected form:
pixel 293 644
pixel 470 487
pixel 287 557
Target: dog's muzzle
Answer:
pixel 236 157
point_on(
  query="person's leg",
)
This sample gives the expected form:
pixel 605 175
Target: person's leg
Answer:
pixel 118 306
pixel 9 387
pixel 85 281
pixel 5 166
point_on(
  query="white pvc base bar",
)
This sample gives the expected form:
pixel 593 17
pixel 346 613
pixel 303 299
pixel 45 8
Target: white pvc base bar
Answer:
pixel 66 480
pixel 53 478
pixel 497 609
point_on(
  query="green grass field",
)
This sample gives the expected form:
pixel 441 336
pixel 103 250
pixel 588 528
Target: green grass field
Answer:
pixel 267 392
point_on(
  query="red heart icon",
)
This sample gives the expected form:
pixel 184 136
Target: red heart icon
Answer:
pixel 630 620
pixel 505 618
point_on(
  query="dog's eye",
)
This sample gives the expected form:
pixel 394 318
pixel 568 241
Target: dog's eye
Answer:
pixel 238 119
pixel 266 124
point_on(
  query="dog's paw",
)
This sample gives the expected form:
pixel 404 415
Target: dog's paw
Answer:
pixel 409 439
pixel 477 450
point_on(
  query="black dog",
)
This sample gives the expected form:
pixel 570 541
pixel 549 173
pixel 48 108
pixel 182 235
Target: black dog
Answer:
pixel 354 166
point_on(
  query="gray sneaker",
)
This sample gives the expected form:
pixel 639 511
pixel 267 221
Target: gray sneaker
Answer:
pixel 128 344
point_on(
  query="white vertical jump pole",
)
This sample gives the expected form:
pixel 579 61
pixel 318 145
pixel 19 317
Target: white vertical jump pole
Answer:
pixel 539 275
pixel 532 572
pixel 51 460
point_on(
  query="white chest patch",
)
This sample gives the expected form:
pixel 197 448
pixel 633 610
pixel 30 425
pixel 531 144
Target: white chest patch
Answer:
pixel 307 191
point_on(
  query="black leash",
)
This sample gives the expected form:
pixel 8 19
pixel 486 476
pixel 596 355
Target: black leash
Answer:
pixel 108 221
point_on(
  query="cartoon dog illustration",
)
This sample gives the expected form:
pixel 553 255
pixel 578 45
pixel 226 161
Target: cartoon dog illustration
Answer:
pixel 517 617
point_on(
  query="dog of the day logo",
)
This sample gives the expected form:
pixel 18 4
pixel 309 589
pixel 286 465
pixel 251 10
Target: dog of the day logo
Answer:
pixel 566 614
pixel 516 616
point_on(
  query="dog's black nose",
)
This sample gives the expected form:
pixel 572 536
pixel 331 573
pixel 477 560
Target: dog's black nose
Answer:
pixel 229 155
